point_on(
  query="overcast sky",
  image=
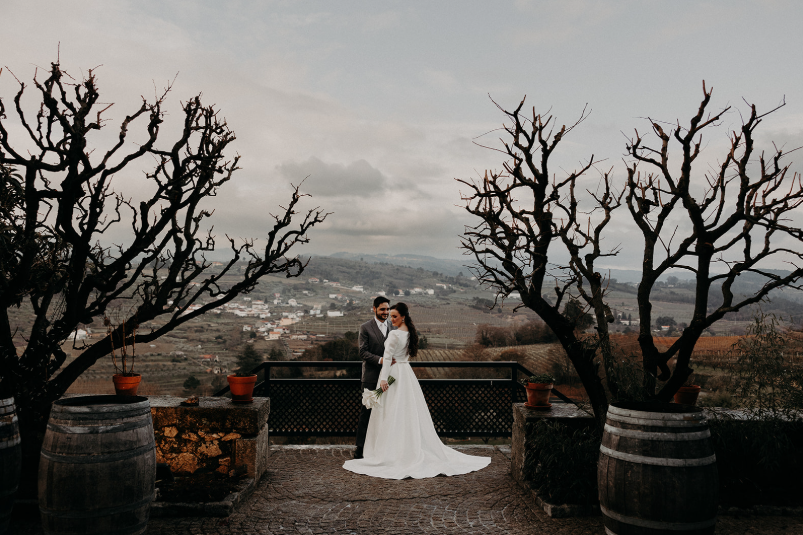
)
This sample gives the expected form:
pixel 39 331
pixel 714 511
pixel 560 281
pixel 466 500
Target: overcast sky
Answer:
pixel 378 102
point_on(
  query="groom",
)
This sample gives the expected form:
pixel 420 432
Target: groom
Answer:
pixel 373 334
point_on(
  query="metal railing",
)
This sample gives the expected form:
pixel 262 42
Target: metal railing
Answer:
pixel 331 406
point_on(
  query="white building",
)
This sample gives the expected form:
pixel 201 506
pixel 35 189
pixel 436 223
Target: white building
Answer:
pixel 79 334
pixel 334 313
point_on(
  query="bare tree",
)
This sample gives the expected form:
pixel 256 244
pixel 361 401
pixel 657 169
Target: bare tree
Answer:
pixel 524 215
pixel 737 219
pixel 57 199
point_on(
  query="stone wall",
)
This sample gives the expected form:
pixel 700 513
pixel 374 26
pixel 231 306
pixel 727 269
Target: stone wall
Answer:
pixel 218 435
pixel 524 420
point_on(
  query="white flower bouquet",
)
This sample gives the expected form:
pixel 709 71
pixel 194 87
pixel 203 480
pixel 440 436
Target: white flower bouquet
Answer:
pixel 370 398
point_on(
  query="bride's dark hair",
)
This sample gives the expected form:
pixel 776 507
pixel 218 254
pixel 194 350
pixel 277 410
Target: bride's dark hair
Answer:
pixel 412 344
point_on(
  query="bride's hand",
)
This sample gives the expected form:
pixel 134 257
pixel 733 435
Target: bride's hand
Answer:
pixel 383 385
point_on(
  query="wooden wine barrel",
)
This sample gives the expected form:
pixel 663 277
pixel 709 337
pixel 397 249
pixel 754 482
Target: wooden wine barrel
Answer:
pixel 97 470
pixel 657 470
pixel 10 460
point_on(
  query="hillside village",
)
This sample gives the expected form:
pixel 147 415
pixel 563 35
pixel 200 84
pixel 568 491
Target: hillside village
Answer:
pixel 289 317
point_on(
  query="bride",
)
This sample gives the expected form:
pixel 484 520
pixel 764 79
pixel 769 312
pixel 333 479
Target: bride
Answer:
pixel 401 441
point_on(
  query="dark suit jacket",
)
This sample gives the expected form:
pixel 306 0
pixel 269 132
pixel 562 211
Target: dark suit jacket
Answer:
pixel 372 347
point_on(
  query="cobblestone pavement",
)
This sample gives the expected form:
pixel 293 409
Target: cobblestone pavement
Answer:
pixel 306 491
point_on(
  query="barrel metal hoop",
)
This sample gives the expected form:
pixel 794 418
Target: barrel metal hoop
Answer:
pixel 98 458
pixel 100 512
pixel 650 435
pixel 95 419
pixel 656 524
pixel 657 416
pixel 656 423
pixel 98 415
pixel 10 443
pixel 658 461
pixel 77 429
pixel 7 410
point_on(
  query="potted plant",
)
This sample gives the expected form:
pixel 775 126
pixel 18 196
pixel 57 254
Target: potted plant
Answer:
pixel 538 390
pixel 242 382
pixel 687 394
pixel 126 381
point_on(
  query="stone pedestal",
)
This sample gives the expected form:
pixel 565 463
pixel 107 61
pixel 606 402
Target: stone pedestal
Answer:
pixel 217 435
pixel 525 419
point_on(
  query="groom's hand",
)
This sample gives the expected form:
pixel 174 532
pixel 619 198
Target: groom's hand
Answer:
pixel 383 385
pixel 381 360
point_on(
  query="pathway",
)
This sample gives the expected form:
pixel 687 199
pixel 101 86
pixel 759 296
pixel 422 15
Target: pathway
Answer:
pixel 307 492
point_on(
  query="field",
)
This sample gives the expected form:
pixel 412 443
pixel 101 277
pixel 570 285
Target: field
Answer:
pixel 448 322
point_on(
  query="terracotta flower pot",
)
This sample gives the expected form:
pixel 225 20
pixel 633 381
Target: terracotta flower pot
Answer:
pixel 687 395
pixel 126 385
pixel 538 395
pixel 242 388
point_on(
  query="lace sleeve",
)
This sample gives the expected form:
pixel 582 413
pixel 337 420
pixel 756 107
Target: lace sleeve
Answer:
pixel 387 358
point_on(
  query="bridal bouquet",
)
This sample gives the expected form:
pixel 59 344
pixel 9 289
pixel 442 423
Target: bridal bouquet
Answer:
pixel 370 398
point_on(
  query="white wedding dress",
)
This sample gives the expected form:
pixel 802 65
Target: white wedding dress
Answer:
pixel 401 441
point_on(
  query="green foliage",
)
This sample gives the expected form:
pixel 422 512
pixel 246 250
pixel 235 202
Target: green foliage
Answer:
pixel 562 465
pixel 575 311
pixel 192 383
pixel 541 378
pixel 247 361
pixel 624 377
pixel 661 321
pixel 482 304
pixel 351 336
pixel 765 379
pixel 423 343
pixel 275 354
pixel 532 332
pixel 340 349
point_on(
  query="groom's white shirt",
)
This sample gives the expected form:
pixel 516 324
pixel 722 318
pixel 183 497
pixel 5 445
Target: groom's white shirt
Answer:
pixel 383 327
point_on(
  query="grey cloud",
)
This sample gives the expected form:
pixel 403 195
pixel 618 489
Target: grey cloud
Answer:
pixel 358 179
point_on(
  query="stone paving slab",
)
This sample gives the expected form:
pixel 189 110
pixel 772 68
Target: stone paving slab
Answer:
pixel 306 491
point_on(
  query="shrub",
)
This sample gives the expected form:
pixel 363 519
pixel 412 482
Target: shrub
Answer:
pixel 490 336
pixel 247 361
pixel 563 466
pixel 534 332
pixel 541 378
pixel 192 383
pixel 718 398
pixel 765 379
pixel 563 371
pixel 759 461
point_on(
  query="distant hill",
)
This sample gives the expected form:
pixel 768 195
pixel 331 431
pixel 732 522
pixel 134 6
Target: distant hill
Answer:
pixel 451 268
pixel 376 274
